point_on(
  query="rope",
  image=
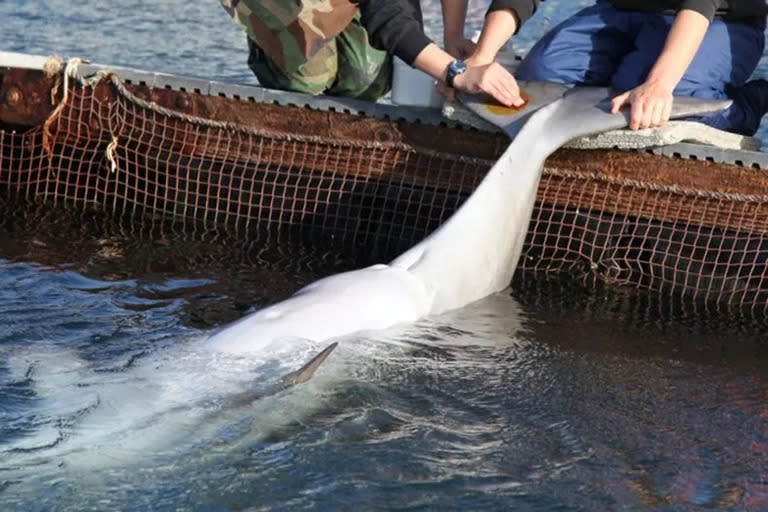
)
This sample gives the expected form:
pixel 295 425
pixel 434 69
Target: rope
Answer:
pixel 53 65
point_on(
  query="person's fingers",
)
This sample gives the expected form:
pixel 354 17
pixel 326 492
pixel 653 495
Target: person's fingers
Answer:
pixel 447 92
pixel 514 88
pixel 667 112
pixel 657 114
pixel 492 80
pixel 500 84
pixel 644 113
pixel 637 113
pixel 618 102
pixel 506 92
pixel 648 108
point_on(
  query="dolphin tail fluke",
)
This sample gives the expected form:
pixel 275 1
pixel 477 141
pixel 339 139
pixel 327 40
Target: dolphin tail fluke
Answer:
pixel 582 110
pixel 587 111
pixel 306 372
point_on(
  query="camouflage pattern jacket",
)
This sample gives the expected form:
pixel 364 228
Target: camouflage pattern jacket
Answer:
pixel 291 31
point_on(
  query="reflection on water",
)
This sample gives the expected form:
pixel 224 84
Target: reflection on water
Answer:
pixel 545 397
pixel 161 262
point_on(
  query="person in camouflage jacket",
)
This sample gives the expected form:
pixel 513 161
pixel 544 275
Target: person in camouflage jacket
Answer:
pixel 312 46
pixel 344 48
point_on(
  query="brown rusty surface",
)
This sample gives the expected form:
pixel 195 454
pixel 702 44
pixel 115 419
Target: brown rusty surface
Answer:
pixel 680 172
pixel 25 96
pixel 288 119
pixel 25 99
pixel 613 164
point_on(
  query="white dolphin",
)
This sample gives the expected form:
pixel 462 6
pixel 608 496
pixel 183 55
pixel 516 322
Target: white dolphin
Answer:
pixel 470 256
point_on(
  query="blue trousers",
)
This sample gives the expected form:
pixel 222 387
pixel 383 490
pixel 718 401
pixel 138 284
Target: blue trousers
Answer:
pixel 603 46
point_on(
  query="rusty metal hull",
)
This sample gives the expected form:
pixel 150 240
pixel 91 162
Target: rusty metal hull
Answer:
pixel 686 217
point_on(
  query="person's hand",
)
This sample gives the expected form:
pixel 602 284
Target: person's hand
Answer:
pixel 492 79
pixel 650 104
pixel 460 48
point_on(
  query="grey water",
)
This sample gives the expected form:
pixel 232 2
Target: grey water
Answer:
pixel 545 397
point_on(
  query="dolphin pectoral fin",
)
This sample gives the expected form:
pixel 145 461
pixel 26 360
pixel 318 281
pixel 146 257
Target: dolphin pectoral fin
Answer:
pixel 303 374
pixel 306 372
pixel 512 119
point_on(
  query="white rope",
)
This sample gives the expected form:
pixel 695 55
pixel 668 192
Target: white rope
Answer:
pixel 111 154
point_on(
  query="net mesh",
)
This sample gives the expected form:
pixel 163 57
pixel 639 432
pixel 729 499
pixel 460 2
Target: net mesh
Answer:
pixel 602 217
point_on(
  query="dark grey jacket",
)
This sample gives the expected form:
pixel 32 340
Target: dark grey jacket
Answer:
pixel 395 25
pixel 749 11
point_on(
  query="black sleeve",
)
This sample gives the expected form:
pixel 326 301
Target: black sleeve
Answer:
pixel 394 26
pixel 523 8
pixel 707 8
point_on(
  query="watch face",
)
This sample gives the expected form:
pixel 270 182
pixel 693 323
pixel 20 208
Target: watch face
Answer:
pixel 458 66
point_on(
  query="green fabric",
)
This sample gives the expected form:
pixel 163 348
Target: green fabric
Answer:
pixel 347 65
pixel 291 31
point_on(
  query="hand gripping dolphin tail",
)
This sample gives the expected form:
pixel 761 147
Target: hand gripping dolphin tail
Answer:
pixel 470 256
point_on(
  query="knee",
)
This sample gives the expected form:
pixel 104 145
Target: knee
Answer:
pixel 310 76
pixel 535 68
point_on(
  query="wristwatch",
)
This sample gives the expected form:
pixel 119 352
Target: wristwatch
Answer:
pixel 455 68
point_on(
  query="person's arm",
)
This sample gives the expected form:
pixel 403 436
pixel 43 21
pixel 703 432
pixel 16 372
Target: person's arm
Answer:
pixel 392 26
pixel 499 26
pixel 485 75
pixel 492 79
pixel 503 19
pixel 651 102
pixel 454 19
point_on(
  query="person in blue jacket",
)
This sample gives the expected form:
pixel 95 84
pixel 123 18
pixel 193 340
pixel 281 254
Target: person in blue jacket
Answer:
pixel 649 50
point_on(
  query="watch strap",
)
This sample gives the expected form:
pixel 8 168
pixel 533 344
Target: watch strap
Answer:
pixel 455 68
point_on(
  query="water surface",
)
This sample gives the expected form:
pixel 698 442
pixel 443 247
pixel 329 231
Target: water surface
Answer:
pixel 543 397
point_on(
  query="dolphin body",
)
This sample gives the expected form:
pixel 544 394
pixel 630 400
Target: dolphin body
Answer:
pixel 470 256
